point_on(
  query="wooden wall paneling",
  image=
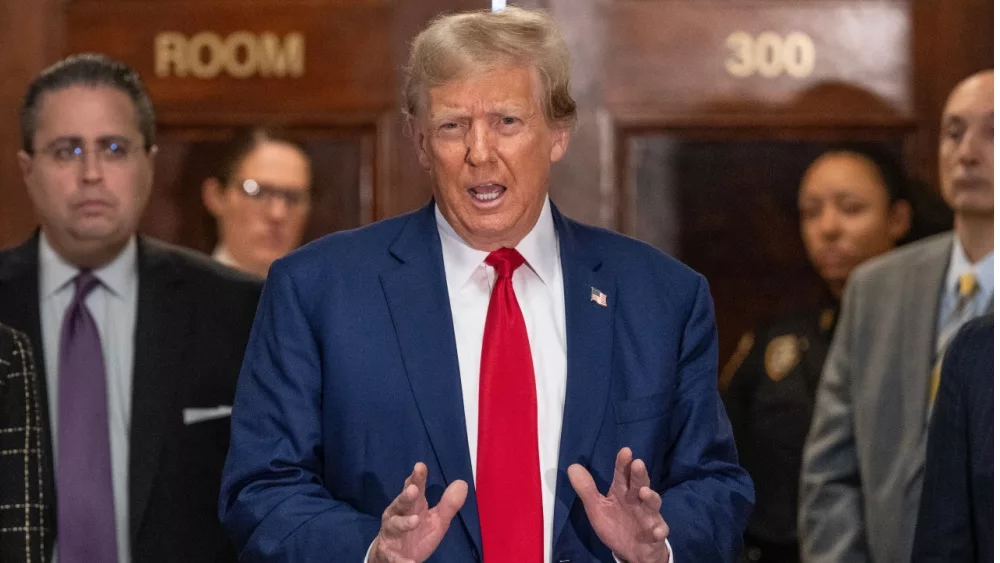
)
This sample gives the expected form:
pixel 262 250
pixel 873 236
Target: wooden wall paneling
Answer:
pixel 30 35
pixel 714 108
pixel 678 60
pixel 347 64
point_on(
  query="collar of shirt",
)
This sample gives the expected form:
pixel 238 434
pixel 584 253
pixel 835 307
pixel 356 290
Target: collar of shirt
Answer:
pixel 222 256
pixel 960 264
pixel 118 276
pixel 540 248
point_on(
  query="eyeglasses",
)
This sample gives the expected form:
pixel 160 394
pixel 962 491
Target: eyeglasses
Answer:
pixel 256 191
pixel 109 150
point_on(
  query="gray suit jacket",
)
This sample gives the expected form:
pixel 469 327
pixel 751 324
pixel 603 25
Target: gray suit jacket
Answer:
pixel 863 462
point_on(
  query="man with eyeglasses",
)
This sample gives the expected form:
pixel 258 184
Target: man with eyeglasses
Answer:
pixel 138 344
pixel 259 196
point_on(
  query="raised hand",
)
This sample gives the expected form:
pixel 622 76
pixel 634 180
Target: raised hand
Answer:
pixel 411 530
pixel 628 518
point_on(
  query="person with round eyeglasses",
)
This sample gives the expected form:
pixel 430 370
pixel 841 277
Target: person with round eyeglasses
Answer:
pixel 260 198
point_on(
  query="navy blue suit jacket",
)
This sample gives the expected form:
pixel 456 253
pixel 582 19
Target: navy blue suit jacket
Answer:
pixel 351 376
pixel 955 523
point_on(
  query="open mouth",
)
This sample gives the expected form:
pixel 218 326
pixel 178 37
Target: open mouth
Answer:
pixel 487 193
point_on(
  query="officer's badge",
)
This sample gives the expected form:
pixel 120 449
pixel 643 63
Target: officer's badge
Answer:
pixel 781 356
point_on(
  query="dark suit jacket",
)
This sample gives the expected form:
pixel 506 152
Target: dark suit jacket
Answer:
pixel 22 463
pixel 955 523
pixel 193 321
pixel 352 376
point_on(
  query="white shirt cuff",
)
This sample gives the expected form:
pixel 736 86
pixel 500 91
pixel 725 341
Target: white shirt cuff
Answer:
pixel 670 554
pixel 369 552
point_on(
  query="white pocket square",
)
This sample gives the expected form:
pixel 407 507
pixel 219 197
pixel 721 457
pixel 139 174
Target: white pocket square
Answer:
pixel 194 416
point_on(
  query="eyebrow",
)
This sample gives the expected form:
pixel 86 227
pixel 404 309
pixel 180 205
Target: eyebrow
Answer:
pixel 68 139
pixel 456 114
pixel 76 140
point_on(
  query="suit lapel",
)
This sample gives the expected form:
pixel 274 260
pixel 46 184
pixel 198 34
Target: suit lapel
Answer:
pixel 162 316
pixel 589 328
pixel 417 295
pixel 920 309
pixel 20 308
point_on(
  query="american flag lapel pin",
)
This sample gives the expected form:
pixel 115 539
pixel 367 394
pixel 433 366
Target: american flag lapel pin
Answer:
pixel 597 296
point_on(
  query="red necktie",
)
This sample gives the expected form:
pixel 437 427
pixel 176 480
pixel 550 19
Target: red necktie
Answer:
pixel 508 480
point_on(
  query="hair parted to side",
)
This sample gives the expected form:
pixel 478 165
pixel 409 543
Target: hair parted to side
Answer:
pixel 457 46
pixel 91 70
pixel 244 141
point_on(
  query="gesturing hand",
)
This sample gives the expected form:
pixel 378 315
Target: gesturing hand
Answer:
pixel 411 530
pixel 628 519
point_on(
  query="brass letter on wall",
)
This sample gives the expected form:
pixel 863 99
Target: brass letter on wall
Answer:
pixel 171 54
pixel 280 59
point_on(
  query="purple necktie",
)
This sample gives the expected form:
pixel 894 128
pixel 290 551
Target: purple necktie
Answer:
pixel 85 497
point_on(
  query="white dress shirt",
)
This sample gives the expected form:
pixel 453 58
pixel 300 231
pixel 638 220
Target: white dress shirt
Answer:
pixel 113 304
pixel 957 266
pixel 222 256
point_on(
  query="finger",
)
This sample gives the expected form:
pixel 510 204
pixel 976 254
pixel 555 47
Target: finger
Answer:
pixel 405 503
pixel 419 477
pixel 583 484
pixel 452 500
pixel 639 477
pixel 620 481
pixel 659 533
pixel 398 525
pixel 650 499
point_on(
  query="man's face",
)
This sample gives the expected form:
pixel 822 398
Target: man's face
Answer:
pixel 966 147
pixel 489 148
pixel 258 227
pixel 846 216
pixel 90 175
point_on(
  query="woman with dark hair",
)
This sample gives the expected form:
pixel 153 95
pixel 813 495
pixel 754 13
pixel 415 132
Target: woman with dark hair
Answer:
pixel 260 199
pixel 853 205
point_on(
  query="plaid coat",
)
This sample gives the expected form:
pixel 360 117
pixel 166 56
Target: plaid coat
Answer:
pixel 26 525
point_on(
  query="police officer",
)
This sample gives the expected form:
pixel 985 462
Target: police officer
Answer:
pixel 853 207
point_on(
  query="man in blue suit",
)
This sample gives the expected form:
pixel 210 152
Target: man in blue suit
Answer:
pixel 552 385
pixel 955 522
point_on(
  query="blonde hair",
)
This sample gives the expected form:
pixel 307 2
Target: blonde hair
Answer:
pixel 456 46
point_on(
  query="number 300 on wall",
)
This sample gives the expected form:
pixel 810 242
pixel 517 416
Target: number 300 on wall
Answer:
pixel 770 55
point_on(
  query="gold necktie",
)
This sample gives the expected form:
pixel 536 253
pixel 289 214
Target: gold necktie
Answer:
pixel 967 287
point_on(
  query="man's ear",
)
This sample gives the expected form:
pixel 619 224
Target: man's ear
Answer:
pixel 413 125
pixel 27 165
pixel 560 142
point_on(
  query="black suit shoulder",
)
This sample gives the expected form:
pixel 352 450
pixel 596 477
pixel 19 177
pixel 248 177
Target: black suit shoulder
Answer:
pixel 199 267
pixel 970 353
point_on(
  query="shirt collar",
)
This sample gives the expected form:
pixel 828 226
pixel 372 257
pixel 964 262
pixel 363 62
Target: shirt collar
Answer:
pixel 222 256
pixel 960 264
pixel 540 248
pixel 118 276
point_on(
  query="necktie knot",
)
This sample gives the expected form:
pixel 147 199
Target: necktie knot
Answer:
pixel 505 260
pixel 967 284
pixel 85 283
